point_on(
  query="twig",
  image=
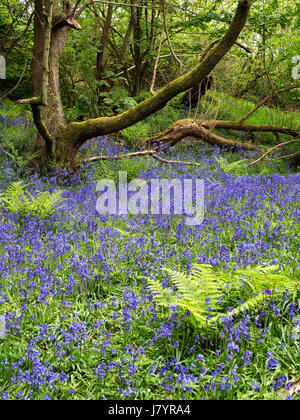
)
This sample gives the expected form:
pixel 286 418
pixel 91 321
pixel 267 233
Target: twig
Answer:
pixel 17 85
pixel 286 156
pixel 116 157
pixel 273 148
pixel 271 198
pixel 150 153
pixel 266 99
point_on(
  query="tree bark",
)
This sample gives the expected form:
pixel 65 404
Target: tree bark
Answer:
pixel 100 55
pixel 51 115
pixel 201 129
pixel 192 128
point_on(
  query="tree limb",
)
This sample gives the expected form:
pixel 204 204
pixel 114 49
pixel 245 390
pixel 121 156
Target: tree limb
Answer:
pixel 266 99
pixel 79 132
pixel 273 148
pixel 150 153
pixel 17 85
pixel 192 128
pixel 244 47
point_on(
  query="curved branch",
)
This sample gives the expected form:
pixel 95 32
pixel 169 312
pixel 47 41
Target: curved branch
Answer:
pixel 266 99
pixel 42 129
pixel 17 85
pixel 272 149
pixel 150 153
pixel 192 128
pixel 79 132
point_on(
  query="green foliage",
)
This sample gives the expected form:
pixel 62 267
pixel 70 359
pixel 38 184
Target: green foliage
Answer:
pixel 156 123
pixel 16 136
pixel 237 168
pixel 133 167
pixel 17 200
pixel 219 105
pixel 143 94
pixel 200 292
pixel 118 100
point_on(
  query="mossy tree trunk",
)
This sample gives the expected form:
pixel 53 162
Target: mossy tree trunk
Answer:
pixel 49 110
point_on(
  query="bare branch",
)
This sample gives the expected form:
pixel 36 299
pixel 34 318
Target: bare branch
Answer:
pixel 286 156
pixel 244 47
pixel 273 148
pixel 271 198
pixel 150 153
pixel 176 162
pixel 82 9
pixel 17 85
pixel 266 99
pixel 117 157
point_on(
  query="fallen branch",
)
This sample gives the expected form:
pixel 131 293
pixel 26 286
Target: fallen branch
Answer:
pixel 273 148
pixel 176 162
pixel 233 125
pixel 117 157
pixel 272 199
pixel 286 156
pixel 266 99
pixel 192 128
pixel 202 129
pixel 150 153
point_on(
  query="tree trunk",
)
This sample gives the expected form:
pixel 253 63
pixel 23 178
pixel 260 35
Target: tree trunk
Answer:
pixel 100 56
pixel 137 35
pixel 52 114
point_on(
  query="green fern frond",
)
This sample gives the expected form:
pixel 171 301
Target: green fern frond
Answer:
pixel 204 287
pixel 266 278
pixel 18 200
pixel 251 304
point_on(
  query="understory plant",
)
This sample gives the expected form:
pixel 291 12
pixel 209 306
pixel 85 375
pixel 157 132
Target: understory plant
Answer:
pixel 207 295
pixel 18 200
